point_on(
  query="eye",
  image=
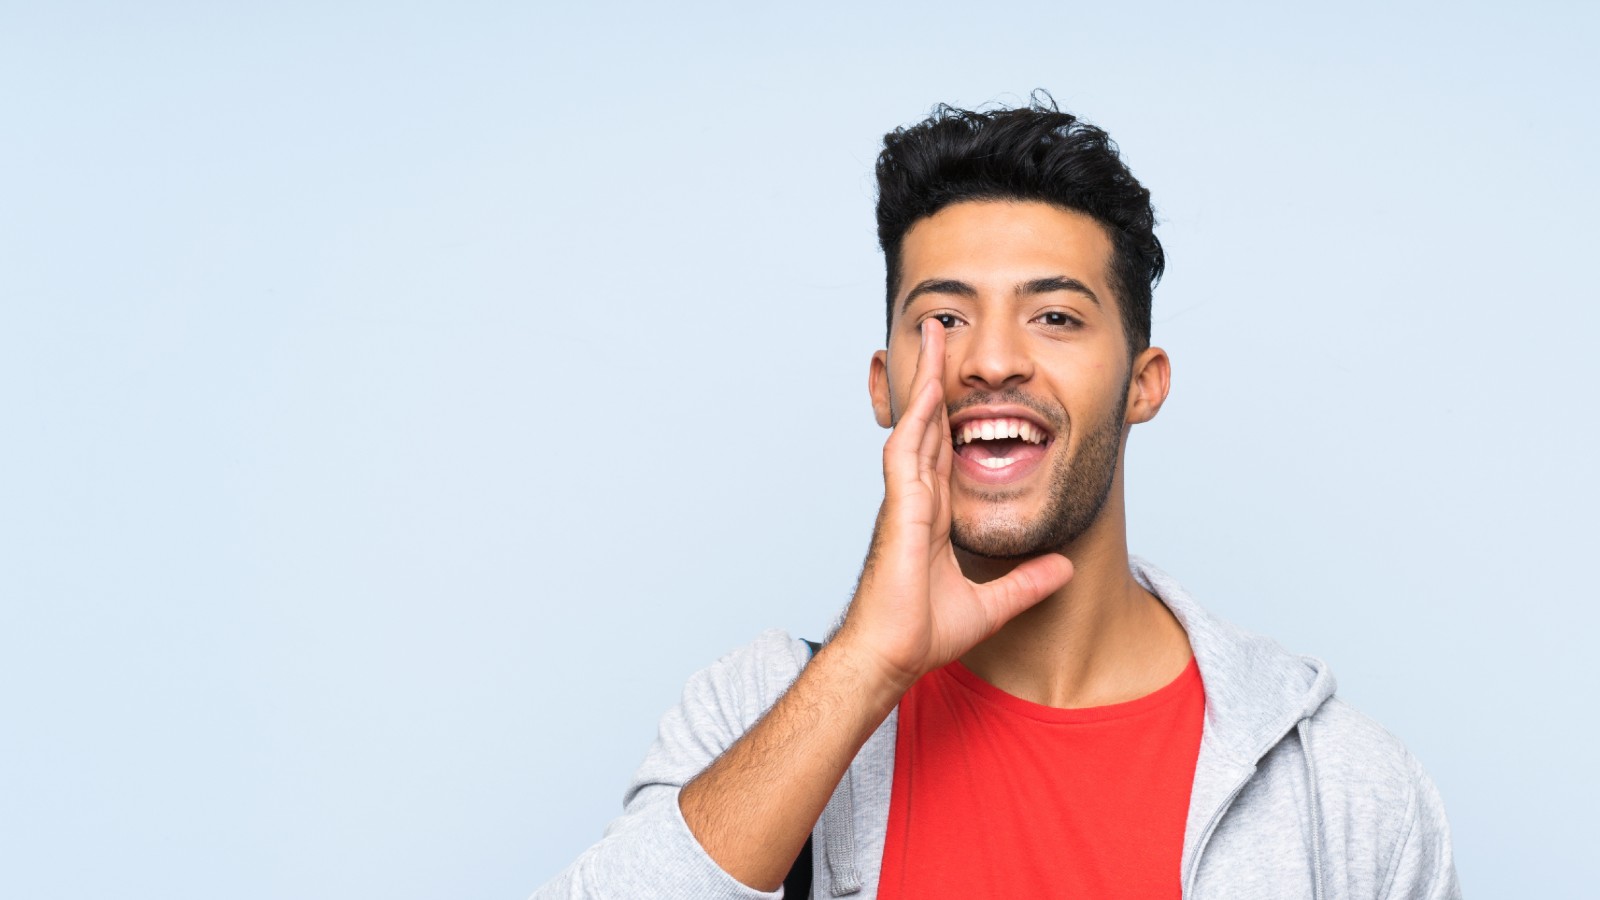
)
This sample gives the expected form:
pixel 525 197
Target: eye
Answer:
pixel 948 320
pixel 1057 319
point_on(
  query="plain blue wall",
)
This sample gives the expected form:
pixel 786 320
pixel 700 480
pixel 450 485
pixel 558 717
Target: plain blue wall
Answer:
pixel 398 401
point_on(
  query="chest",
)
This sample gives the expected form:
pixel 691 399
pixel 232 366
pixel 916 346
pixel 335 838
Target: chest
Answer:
pixel 996 797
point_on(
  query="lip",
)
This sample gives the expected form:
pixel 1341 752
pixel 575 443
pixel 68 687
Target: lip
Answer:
pixel 1017 471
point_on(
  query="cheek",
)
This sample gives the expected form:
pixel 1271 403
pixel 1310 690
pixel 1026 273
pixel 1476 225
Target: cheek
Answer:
pixel 899 387
pixel 902 373
pixel 1094 396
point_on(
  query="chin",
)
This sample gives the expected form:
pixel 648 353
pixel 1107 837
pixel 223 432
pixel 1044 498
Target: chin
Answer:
pixel 1003 532
pixel 998 540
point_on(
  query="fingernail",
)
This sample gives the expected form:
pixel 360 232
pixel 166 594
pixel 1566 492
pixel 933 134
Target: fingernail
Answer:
pixel 923 337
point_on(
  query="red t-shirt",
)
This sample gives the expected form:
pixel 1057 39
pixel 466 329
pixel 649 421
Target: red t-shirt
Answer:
pixel 995 796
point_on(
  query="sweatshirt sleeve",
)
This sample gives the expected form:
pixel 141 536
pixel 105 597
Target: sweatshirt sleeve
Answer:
pixel 649 851
pixel 1424 865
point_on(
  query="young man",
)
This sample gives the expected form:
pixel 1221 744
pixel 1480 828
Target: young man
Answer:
pixel 1011 706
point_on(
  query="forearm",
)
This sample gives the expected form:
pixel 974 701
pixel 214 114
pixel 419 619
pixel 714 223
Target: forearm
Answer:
pixel 752 809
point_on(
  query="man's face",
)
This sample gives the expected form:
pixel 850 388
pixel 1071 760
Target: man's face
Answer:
pixel 1037 374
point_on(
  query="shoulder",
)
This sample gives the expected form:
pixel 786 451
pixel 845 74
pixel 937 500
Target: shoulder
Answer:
pixel 762 669
pixel 1357 757
pixel 736 689
pixel 1370 785
pixel 719 704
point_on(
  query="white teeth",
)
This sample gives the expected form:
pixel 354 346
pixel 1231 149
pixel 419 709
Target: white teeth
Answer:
pixel 999 429
pixel 996 463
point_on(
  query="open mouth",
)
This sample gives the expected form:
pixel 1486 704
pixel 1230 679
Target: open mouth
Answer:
pixel 998 444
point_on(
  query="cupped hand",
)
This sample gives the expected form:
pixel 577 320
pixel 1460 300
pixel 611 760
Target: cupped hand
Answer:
pixel 914 610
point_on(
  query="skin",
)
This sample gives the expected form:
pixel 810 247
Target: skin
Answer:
pixel 986 315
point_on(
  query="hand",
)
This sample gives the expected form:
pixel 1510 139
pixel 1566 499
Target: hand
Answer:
pixel 914 609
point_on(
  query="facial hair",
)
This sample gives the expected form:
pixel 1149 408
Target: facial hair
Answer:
pixel 1079 487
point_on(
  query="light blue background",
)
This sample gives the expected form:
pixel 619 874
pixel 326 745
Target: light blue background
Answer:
pixel 398 401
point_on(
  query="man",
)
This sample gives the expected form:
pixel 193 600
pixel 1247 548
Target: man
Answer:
pixel 1011 706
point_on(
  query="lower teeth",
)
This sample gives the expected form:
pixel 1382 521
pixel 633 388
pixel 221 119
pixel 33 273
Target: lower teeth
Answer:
pixel 996 463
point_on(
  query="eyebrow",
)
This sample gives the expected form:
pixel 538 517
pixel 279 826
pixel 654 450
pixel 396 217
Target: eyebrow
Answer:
pixel 938 286
pixel 1058 283
pixel 1026 288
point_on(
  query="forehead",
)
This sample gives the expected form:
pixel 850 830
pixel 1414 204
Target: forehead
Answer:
pixel 994 244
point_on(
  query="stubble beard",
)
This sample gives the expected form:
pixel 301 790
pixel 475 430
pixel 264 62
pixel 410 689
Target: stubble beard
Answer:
pixel 1079 487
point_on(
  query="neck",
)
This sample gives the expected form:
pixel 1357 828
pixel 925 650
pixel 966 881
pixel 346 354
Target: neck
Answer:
pixel 1102 638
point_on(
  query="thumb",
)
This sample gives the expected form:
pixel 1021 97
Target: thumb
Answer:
pixel 1024 586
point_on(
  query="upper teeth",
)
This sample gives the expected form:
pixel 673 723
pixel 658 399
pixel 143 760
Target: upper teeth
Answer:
pixel 998 429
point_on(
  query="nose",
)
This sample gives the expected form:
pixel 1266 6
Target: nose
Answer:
pixel 995 356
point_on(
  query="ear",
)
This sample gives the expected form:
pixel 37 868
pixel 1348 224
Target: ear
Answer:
pixel 1147 389
pixel 878 388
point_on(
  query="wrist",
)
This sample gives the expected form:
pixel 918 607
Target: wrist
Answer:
pixel 867 668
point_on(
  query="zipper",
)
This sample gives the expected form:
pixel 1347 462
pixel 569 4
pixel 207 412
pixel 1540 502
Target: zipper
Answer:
pixel 1205 837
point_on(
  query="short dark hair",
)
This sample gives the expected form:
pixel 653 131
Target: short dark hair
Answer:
pixel 1035 152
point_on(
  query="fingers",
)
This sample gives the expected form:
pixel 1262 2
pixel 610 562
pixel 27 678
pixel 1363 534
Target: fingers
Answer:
pixel 923 427
pixel 930 372
pixel 947 450
pixel 930 357
pixel 1024 586
pixel 911 433
pixel 933 436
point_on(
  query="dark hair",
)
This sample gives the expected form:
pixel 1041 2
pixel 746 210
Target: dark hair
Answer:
pixel 1038 153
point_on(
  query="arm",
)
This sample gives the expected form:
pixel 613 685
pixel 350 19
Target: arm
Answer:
pixel 1424 865
pixel 736 827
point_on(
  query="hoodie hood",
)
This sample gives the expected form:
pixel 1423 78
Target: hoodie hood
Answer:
pixel 1255 690
pixel 1256 694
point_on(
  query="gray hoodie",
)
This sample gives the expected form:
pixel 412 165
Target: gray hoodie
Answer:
pixel 1296 795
